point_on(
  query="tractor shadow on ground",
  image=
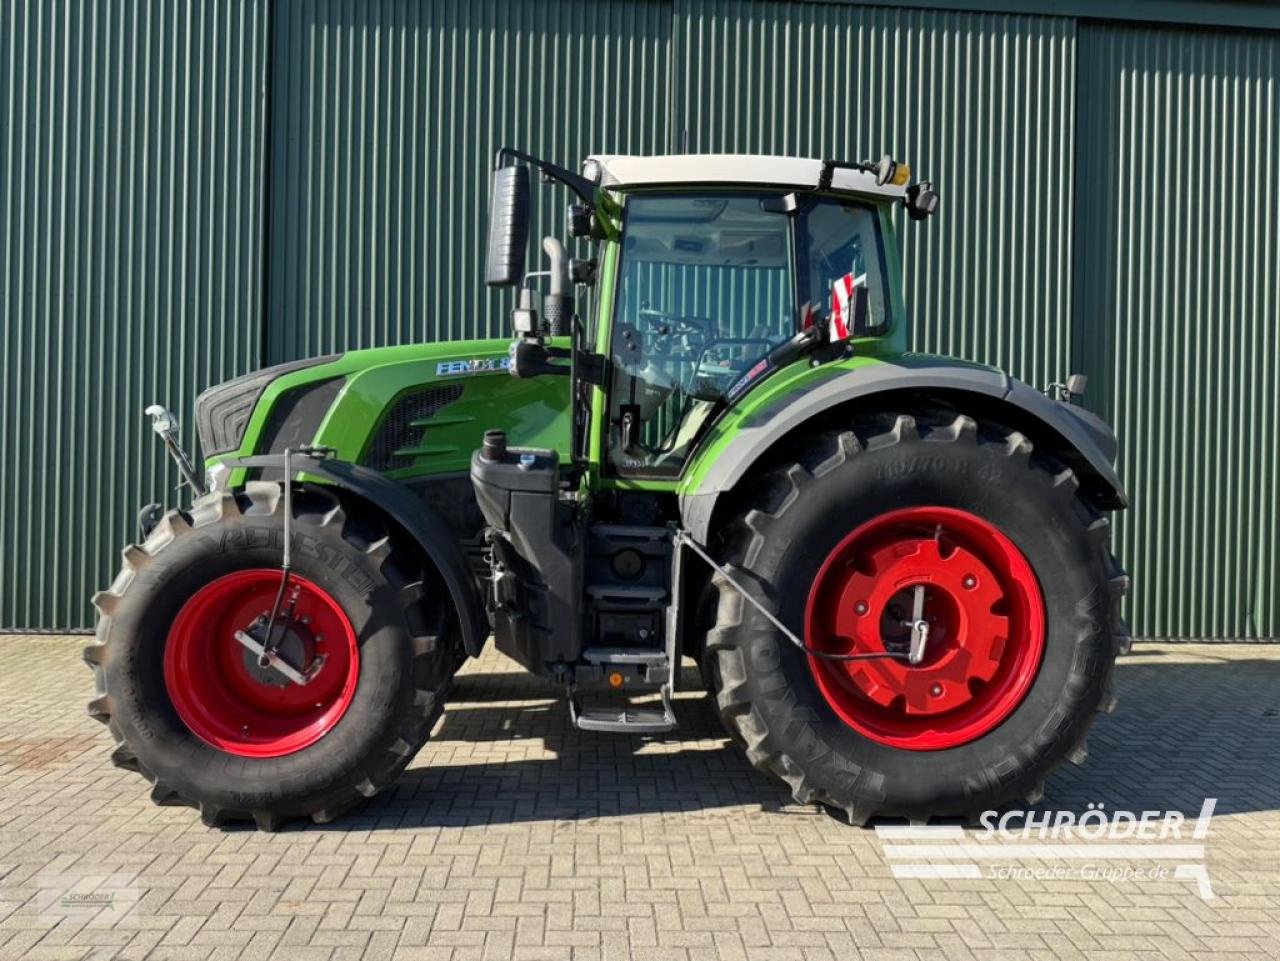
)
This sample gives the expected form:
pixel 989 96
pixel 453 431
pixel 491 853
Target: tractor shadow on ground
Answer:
pixel 506 753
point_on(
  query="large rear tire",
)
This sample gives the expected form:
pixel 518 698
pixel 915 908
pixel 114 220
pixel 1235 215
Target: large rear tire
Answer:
pixel 192 712
pixel 1023 605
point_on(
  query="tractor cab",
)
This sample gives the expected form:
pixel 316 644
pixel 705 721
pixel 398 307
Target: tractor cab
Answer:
pixel 711 275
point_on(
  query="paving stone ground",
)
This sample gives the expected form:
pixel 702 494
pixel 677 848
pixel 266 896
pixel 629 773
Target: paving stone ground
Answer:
pixel 513 836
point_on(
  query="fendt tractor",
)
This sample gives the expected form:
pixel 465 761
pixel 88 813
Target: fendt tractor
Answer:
pixel 893 570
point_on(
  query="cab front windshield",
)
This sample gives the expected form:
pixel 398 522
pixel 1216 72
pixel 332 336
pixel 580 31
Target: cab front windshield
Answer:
pixel 709 285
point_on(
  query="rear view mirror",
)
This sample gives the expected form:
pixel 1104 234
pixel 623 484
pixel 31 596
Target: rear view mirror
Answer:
pixel 508 226
pixel 853 316
pixel 860 308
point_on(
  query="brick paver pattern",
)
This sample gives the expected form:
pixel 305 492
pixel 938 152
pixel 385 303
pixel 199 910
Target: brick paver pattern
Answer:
pixel 514 836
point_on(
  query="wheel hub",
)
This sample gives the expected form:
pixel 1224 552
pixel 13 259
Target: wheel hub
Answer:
pixel 297 648
pixel 228 698
pixel 979 600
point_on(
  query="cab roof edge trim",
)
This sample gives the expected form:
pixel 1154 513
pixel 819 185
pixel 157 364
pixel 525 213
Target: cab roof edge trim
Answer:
pixel 619 171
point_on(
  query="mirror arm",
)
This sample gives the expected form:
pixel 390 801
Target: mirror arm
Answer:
pixel 789 350
pixel 580 185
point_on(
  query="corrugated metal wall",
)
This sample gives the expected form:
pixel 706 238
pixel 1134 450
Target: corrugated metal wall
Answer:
pixel 1177 289
pixel 146 147
pixel 129 267
pixel 387 116
pixel 982 104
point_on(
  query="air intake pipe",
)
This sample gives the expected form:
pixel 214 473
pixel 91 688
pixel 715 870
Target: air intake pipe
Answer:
pixel 558 305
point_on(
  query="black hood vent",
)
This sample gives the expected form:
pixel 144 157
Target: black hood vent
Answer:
pixel 399 430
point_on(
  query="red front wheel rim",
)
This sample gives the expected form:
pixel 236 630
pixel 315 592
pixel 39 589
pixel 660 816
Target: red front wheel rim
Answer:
pixel 231 703
pixel 986 627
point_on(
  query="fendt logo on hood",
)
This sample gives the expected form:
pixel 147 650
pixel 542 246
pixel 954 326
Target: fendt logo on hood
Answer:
pixel 476 365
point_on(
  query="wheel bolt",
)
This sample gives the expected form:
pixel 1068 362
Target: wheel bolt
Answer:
pixel 970 582
pixel 860 607
pixel 936 690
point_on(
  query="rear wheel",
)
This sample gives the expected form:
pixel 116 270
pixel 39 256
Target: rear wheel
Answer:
pixel 926 518
pixel 194 711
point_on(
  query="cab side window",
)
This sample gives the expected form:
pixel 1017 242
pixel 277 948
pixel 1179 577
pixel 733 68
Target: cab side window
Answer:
pixel 843 241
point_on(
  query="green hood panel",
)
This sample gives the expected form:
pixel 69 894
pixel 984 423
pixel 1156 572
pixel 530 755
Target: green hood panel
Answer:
pixel 532 411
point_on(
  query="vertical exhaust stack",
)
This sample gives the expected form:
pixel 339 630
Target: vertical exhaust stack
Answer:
pixel 558 305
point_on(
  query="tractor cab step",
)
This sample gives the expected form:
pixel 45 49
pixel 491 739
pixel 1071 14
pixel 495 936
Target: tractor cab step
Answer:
pixel 625 720
pixel 626 655
pixel 628 667
pixel 617 594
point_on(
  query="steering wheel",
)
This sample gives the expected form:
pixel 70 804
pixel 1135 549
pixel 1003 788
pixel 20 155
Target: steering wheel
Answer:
pixel 663 324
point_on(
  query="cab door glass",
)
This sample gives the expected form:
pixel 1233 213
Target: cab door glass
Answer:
pixel 710 284
pixel 706 289
pixel 843 252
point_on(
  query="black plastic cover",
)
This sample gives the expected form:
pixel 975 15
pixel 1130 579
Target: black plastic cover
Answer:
pixel 296 416
pixel 223 411
pixel 537 557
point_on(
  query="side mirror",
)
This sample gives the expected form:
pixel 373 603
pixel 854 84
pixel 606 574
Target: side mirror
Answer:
pixel 860 322
pixel 853 319
pixel 508 226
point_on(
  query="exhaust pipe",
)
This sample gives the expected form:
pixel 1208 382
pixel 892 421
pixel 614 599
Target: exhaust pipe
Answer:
pixel 558 305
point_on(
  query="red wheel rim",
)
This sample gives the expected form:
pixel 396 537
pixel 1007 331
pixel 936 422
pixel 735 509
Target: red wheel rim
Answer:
pixel 986 627
pixel 231 703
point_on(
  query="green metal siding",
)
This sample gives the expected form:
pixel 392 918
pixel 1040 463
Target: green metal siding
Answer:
pixel 981 104
pixel 1177 288
pixel 129 267
pixel 192 190
pixel 387 116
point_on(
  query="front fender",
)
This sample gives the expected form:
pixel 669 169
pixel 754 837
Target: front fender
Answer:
pixel 432 534
pixel 1083 439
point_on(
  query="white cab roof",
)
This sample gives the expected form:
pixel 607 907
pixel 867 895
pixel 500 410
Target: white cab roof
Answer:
pixel 621 170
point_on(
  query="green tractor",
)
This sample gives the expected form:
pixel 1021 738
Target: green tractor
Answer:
pixel 893 570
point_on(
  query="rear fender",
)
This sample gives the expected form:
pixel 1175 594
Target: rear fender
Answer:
pixel 1078 437
pixel 399 504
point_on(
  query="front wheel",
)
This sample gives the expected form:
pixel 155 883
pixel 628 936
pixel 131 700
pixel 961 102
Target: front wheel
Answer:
pixel 369 639
pixel 931 528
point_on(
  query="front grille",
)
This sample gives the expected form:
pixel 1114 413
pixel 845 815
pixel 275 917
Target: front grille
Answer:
pixel 397 430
